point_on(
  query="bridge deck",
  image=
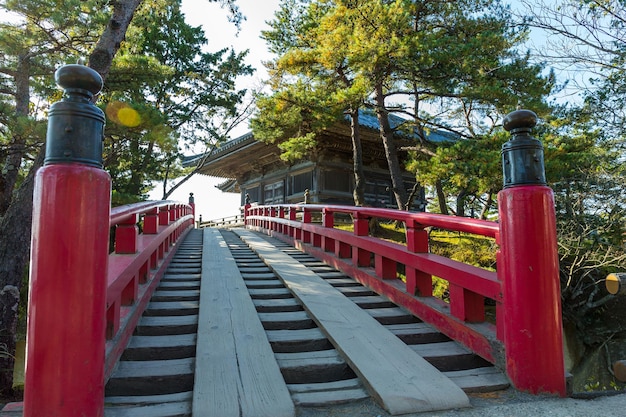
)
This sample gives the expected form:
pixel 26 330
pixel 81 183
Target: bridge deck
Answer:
pixel 243 325
pixel 401 380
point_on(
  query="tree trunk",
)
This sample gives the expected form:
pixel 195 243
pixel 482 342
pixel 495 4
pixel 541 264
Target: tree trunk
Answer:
pixel 13 161
pixel 441 198
pixel 486 206
pixel 15 227
pixel 111 39
pixel 357 159
pixel 16 224
pixel 460 203
pixel 391 152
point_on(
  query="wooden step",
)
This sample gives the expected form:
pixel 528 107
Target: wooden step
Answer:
pixel 242 265
pixel 486 379
pixel 172 308
pixel 151 377
pixel 170 409
pixel 417 333
pixel 449 356
pixel 391 315
pixel 269 293
pixel 372 301
pixel 185 261
pixel 175 295
pixel 274 306
pixel 178 285
pixel 148 399
pixel 261 277
pixel 313 367
pixel 183 270
pixel 167 325
pixel 324 398
pixel 152 348
pixel 321 269
pixel 180 277
pixel 255 270
pixel 343 282
pixel 286 320
pixel 313 262
pixel 266 283
pixel 332 274
pixel 356 291
pixel 298 340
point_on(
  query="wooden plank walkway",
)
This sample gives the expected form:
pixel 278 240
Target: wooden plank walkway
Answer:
pixel 396 376
pixel 236 371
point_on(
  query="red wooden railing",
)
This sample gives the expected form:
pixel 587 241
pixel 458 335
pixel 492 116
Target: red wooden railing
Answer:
pixel 84 302
pixel 70 318
pixel 374 262
pixel 137 265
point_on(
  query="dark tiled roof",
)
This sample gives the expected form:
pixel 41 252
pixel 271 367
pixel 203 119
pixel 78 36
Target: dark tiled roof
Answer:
pixel 367 119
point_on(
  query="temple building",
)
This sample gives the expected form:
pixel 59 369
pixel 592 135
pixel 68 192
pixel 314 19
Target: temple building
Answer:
pixel 255 169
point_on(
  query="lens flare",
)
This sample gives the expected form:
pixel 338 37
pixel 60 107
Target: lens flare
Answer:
pixel 122 114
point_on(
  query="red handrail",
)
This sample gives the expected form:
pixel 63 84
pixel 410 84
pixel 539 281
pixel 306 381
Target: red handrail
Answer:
pixel 374 262
pixel 137 264
pixel 469 285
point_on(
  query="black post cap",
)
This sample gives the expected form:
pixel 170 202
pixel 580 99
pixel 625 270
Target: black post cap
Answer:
pixel 79 79
pixel 519 119
pixel 75 124
pixel 522 156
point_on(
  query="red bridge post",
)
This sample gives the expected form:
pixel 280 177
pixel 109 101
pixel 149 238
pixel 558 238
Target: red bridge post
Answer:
pixel 66 313
pixel 531 288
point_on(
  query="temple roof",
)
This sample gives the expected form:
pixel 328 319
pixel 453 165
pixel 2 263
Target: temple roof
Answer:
pixel 243 154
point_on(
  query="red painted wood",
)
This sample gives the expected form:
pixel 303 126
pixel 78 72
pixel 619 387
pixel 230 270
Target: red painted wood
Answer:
pixel 66 316
pixel 466 305
pixel 532 297
pixel 475 283
pixel 130 315
pixel 386 268
pixel 126 235
pixel 164 215
pixel 151 222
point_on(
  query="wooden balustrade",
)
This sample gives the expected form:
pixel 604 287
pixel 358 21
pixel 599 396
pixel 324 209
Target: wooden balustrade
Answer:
pixel 351 251
pixel 137 264
pixel 375 262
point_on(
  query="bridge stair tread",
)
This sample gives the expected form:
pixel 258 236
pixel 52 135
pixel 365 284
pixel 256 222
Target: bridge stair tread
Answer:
pixel 472 373
pixel 301 350
pixel 175 295
pixel 179 285
pixel 159 325
pixel 167 409
pixel 154 376
pixel 400 380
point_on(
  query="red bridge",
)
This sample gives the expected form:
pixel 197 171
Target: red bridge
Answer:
pixel 285 312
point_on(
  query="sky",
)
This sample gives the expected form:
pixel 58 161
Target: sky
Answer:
pixel 210 202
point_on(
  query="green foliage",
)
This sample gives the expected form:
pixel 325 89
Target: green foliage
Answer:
pixel 594 385
pixel 292 117
pixel 470 249
pixel 164 94
pixel 446 65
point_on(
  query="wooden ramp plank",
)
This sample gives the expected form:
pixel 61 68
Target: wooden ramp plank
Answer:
pixel 236 371
pixel 401 380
